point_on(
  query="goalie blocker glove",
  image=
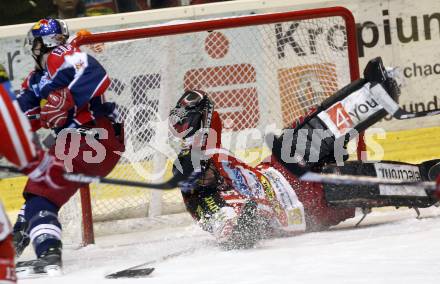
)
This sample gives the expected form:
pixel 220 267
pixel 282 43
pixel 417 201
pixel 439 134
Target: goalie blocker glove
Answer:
pixel 321 137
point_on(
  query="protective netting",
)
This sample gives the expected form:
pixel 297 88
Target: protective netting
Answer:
pixel 261 77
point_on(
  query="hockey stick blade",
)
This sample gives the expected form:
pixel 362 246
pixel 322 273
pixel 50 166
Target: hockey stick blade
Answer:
pixel 384 99
pixel 137 270
pixel 133 273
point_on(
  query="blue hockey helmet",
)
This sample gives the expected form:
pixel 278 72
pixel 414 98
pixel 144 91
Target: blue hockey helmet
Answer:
pixel 52 32
pixel 45 35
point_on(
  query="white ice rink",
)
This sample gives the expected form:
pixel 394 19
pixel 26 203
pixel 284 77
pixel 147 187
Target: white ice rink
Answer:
pixel 389 247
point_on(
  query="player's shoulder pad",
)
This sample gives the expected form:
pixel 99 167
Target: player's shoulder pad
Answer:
pixel 57 57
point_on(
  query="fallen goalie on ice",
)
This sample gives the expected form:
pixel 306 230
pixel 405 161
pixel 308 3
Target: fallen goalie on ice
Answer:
pixel 241 205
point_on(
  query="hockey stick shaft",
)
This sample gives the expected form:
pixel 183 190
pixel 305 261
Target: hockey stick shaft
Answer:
pixel 80 178
pixel 384 99
pixel 402 114
pixel 170 184
pixel 33 116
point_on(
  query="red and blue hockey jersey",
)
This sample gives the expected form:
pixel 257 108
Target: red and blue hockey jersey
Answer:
pixel 69 67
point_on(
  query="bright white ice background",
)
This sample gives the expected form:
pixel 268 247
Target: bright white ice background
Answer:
pixel 388 247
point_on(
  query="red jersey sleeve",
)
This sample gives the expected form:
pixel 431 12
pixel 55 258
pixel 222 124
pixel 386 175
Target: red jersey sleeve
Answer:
pixel 15 130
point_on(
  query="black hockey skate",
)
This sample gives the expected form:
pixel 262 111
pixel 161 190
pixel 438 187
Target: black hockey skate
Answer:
pixel 48 264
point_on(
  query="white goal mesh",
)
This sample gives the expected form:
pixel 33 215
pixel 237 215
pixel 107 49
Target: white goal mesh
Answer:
pixel 262 72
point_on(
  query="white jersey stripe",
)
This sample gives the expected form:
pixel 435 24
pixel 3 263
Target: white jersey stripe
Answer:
pixel 45 229
pixel 12 131
pixel 99 85
pixel 27 129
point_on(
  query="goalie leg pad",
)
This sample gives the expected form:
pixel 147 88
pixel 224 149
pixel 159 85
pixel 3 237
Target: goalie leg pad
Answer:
pixel 367 196
pixel 322 136
pixel 325 132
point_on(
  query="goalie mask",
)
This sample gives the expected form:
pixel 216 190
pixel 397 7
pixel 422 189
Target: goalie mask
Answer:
pixel 44 36
pixel 193 112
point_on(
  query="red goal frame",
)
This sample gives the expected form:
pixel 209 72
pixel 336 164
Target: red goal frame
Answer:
pixel 210 25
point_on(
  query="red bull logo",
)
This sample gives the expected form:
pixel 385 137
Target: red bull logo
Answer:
pixel 40 23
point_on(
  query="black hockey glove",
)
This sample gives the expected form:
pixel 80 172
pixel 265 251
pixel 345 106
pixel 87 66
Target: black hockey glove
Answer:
pixel 375 72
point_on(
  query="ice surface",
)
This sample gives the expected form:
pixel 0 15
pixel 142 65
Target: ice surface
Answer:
pixel 389 247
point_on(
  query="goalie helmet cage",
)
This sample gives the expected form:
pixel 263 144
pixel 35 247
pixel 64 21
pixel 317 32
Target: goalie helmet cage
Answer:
pixel 260 70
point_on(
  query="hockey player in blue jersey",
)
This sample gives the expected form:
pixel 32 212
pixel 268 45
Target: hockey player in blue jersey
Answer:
pixel 19 147
pixel 65 91
pixel 63 67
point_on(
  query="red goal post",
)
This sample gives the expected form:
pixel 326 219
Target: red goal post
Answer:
pixel 259 69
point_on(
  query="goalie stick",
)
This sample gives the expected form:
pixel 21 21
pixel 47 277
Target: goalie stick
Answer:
pixel 384 99
pixel 80 178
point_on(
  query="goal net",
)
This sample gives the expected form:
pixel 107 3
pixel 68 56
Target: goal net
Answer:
pixel 262 71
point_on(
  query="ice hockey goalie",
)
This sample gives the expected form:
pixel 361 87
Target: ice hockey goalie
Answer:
pixel 240 204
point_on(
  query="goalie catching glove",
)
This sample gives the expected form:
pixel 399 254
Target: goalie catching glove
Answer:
pixel 56 110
